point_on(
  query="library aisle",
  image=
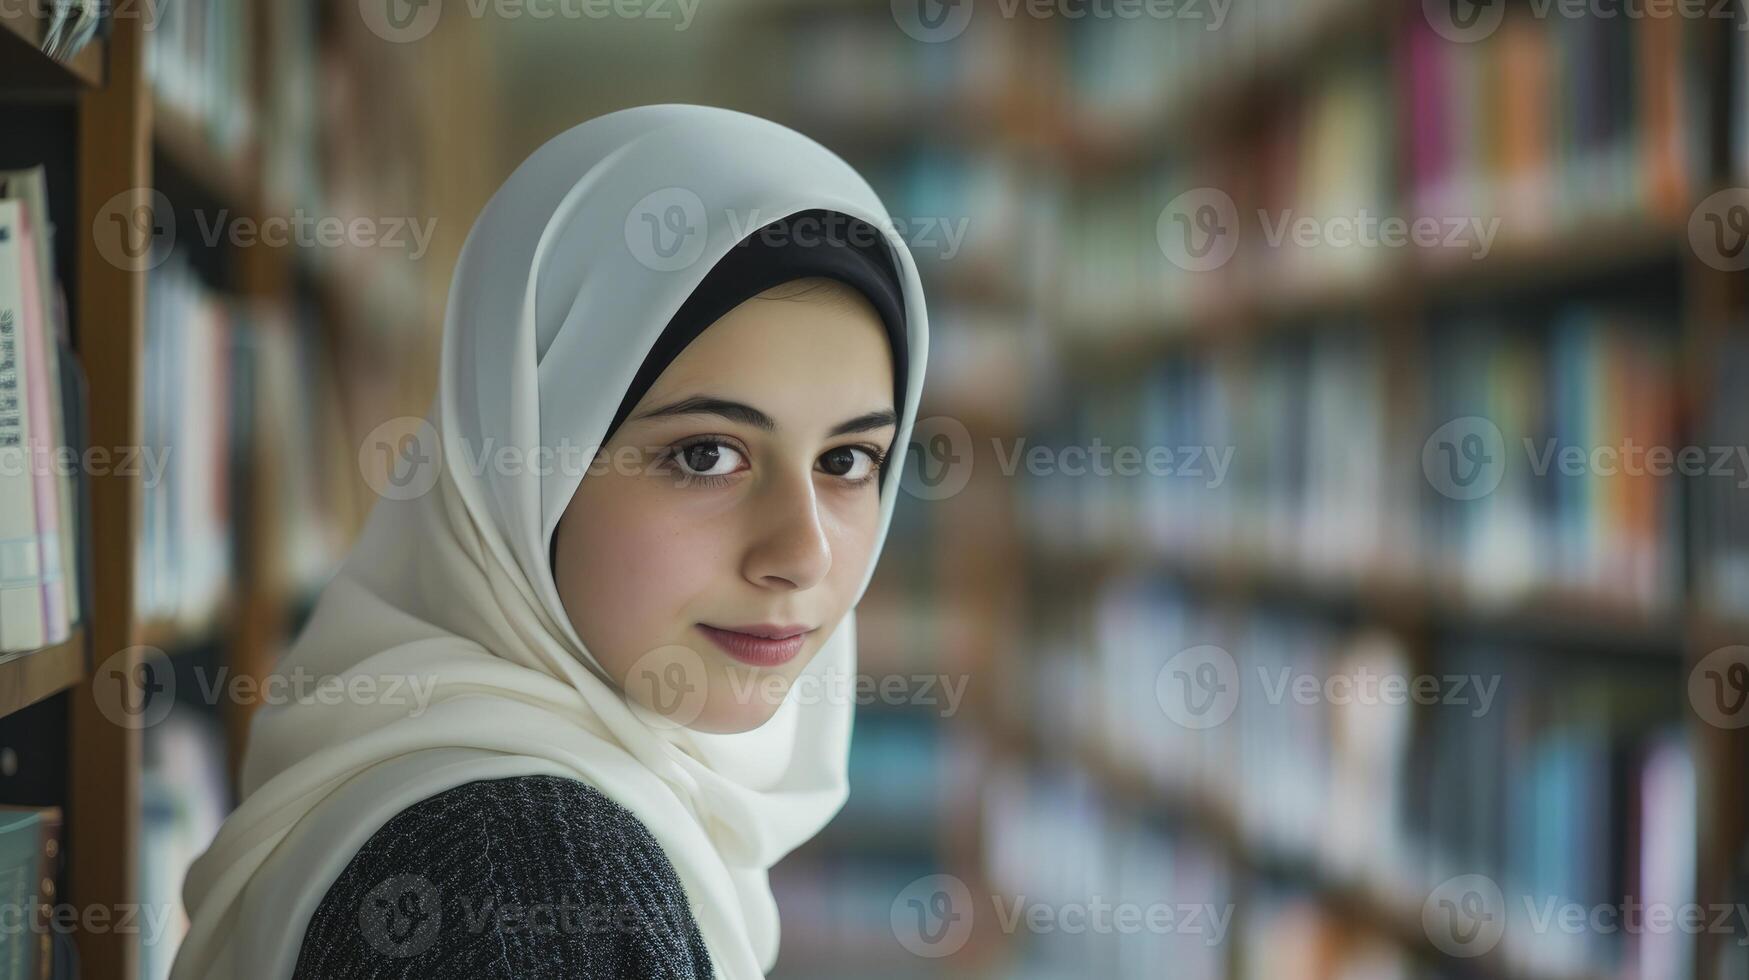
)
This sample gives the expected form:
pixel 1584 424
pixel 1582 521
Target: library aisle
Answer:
pixel 1324 546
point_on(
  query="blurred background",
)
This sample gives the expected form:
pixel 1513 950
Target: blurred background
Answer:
pixel 1325 548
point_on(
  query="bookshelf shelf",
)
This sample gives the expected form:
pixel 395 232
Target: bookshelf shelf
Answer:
pixel 1393 595
pixel 28 678
pixel 21 36
pixel 1378 907
pixel 1586 250
pixel 1621 245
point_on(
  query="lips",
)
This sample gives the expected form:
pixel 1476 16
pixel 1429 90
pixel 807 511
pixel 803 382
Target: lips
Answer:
pixel 761 644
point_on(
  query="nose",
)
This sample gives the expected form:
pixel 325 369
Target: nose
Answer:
pixel 790 551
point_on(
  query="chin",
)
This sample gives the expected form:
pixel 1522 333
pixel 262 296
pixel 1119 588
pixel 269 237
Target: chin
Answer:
pixel 733 717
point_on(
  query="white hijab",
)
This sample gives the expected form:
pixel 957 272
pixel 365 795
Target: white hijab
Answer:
pixel 558 294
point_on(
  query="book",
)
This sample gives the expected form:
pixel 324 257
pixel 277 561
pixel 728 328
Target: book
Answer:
pixel 30 852
pixel 44 437
pixel 22 623
pixel 185 562
pixel 31 186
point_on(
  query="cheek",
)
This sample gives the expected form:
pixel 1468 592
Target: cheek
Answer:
pixel 633 573
pixel 851 529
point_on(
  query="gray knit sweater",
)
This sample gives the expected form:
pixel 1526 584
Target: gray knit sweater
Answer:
pixel 530 877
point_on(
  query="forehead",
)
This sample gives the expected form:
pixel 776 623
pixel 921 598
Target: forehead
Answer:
pixel 797 354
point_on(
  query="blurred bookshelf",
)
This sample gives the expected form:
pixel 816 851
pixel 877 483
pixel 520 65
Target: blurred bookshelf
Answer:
pixel 1327 548
pixel 243 374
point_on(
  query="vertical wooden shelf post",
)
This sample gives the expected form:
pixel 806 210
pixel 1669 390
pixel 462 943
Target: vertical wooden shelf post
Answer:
pixel 104 788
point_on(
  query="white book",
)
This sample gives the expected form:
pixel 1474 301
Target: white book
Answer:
pixel 61 564
pixel 43 437
pixel 21 603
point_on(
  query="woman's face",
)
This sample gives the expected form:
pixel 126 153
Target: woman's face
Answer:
pixel 743 491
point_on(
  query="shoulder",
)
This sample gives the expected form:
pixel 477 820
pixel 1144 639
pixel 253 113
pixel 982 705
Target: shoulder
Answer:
pixel 529 876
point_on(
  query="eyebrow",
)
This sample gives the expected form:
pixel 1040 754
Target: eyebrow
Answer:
pixel 748 415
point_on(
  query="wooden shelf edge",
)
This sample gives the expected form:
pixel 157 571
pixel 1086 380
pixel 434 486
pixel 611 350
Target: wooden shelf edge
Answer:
pixel 86 67
pixel 1588 620
pixel 28 678
pixel 1555 261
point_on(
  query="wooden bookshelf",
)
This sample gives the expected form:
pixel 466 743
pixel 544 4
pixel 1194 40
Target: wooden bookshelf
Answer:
pixel 104 134
pixel 1404 284
pixel 1407 597
pixel 27 678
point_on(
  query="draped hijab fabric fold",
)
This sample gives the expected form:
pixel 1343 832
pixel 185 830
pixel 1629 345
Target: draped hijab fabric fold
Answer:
pixel 565 281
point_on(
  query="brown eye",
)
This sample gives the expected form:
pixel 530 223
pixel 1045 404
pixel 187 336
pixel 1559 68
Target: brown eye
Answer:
pixel 707 459
pixel 848 462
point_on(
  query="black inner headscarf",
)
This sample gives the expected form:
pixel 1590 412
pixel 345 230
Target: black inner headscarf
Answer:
pixel 809 243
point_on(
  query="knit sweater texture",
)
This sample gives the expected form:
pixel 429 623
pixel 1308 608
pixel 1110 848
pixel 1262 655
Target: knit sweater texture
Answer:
pixel 528 877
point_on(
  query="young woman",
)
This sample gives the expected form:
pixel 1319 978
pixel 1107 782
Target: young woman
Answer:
pixel 566 732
